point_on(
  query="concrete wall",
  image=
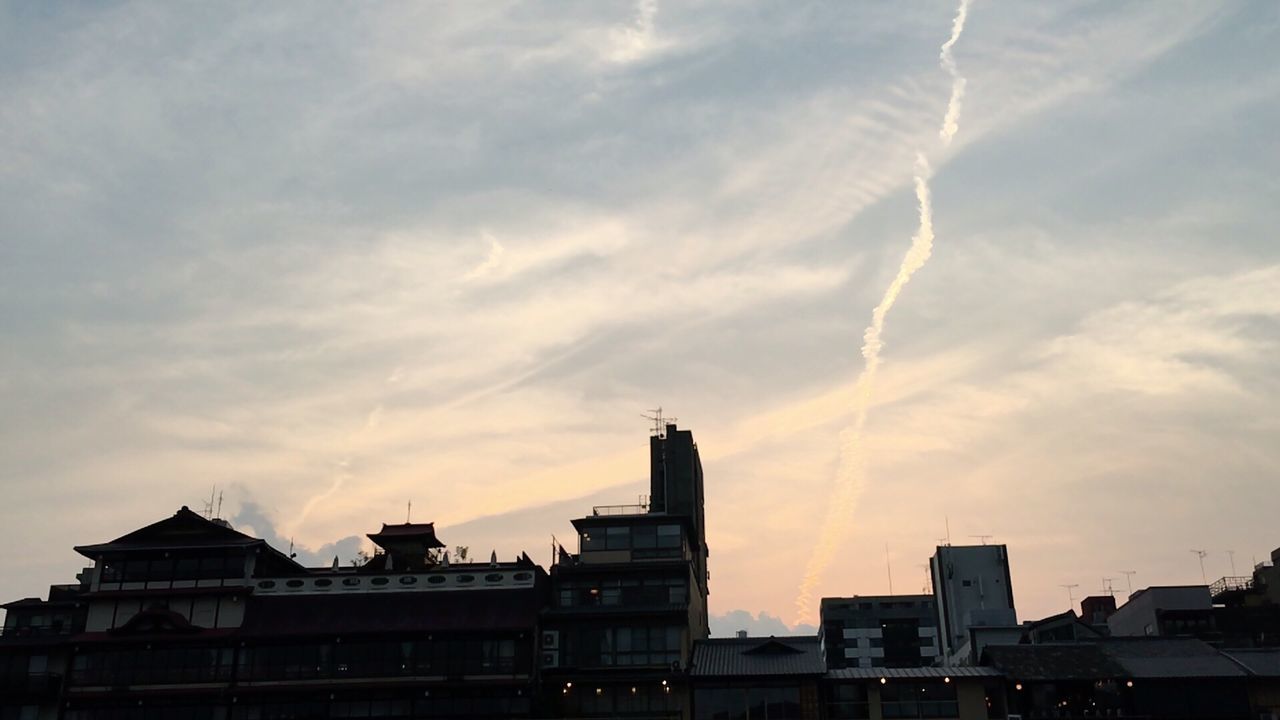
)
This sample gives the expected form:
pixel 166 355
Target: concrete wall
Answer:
pixel 972 587
pixel 1138 616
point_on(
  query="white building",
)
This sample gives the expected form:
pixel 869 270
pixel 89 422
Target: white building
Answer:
pixel 972 586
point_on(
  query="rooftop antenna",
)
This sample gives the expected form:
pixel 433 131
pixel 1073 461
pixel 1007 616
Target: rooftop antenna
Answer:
pixel 408 512
pixel 947 520
pixel 1106 587
pixel 1071 594
pixel 1231 554
pixel 1200 554
pixel 888 568
pixel 220 506
pixel 982 539
pixel 292 554
pixel 927 588
pixel 659 422
pixel 1128 576
pixel 208 505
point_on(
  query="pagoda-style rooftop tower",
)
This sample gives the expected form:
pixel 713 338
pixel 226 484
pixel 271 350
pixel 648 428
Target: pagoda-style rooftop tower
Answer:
pixel 410 546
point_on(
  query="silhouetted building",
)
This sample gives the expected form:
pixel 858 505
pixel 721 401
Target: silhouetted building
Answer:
pixel 773 678
pixel 1141 615
pixel 1095 609
pixel 187 618
pixel 629 605
pixel 973 589
pixel 1122 677
pixel 879 631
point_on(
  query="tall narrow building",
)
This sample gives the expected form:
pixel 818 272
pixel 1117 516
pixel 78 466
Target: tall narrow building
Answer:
pixel 972 588
pixel 627 608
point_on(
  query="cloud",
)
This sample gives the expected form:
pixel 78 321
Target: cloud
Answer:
pixel 761 624
pixel 257 245
pixel 253 520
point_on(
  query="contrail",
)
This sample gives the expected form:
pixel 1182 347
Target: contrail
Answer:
pixel 951 121
pixel 851 472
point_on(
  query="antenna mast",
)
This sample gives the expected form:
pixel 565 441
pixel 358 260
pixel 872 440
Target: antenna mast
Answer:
pixel 1071 595
pixel 659 422
pixel 888 567
pixel 1128 576
pixel 1200 554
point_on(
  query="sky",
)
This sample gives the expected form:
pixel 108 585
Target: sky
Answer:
pixel 333 258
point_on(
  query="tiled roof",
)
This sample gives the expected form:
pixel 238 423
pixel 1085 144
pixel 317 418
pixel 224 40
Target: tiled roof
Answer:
pixel 914 673
pixel 1084 661
pixel 425 532
pixel 1169 658
pixel 754 657
pixel 184 529
pixel 1259 662
pixel 1112 658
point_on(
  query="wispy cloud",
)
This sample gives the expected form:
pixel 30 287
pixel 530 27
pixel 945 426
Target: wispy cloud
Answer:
pixel 459 249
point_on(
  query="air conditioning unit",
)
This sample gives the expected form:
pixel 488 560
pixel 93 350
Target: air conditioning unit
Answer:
pixel 550 639
pixel 550 659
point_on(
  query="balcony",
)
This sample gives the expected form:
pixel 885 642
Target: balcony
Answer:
pixel 29 631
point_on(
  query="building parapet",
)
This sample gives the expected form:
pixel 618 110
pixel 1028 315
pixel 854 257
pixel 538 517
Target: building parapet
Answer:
pixel 481 577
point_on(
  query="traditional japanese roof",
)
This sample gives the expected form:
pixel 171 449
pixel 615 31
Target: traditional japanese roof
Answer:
pixel 407 533
pixel 184 529
pixel 913 673
pixel 757 657
pixel 1113 658
pixel 392 612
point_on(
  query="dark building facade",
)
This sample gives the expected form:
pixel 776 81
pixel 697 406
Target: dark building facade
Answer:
pixel 627 608
pixel 879 631
pixel 187 618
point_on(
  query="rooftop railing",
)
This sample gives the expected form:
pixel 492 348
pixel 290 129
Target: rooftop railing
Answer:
pixel 633 509
pixel 1230 584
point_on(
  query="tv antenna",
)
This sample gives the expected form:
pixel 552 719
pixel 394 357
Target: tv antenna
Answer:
pixel 1231 555
pixel 1071 594
pixel 982 539
pixel 213 506
pixel 1106 587
pixel 660 423
pixel 1128 577
pixel 1200 555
